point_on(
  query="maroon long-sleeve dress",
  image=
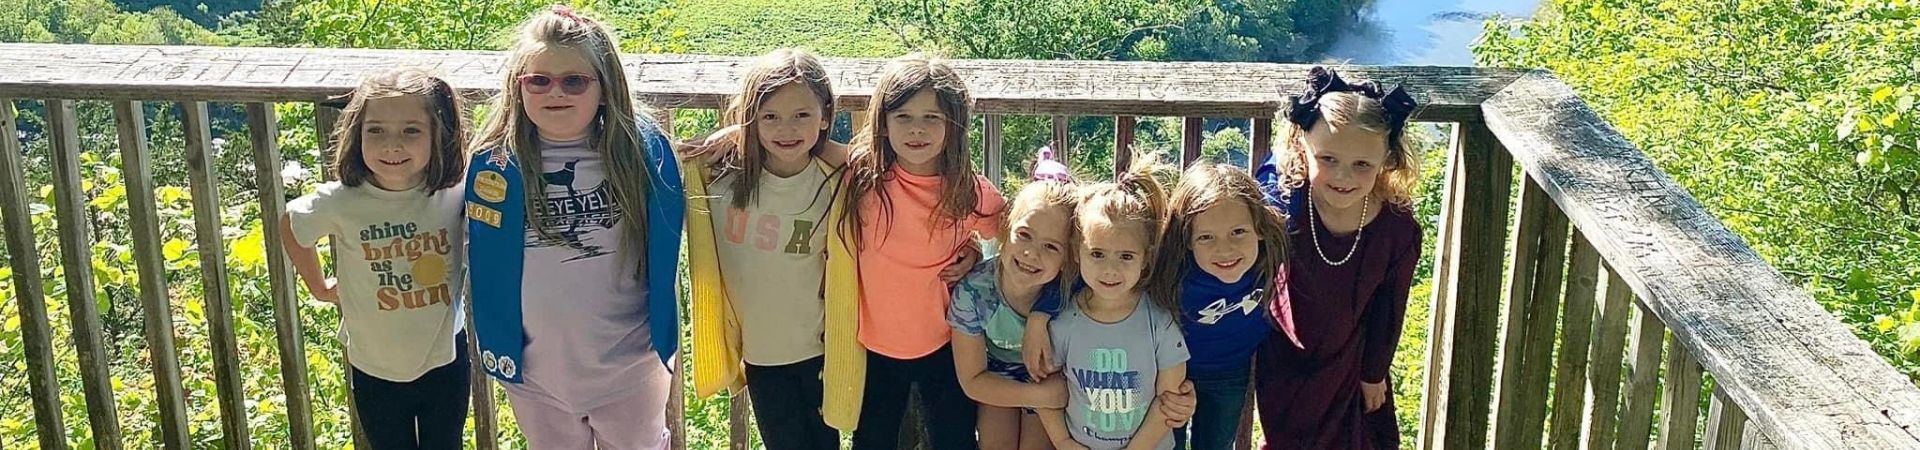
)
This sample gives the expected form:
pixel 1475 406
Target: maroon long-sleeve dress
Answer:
pixel 1338 327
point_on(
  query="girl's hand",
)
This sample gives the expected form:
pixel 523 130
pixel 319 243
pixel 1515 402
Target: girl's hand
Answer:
pixel 1055 393
pixel 329 293
pixel 1375 394
pixel 969 257
pixel 711 148
pixel 1178 405
pixel 1036 350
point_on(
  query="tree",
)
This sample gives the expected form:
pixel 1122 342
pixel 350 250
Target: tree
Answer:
pixel 644 25
pixel 96 21
pixel 1793 121
pixel 1021 29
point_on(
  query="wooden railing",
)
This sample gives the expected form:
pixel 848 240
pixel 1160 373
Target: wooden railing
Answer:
pixel 1602 257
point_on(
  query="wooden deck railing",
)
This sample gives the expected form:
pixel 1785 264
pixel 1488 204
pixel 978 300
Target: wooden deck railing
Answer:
pixel 1619 292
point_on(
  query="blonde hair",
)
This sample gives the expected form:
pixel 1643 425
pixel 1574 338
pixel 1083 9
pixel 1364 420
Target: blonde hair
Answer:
pixel 873 157
pixel 1203 187
pixel 509 133
pixel 1135 196
pixel 1401 173
pixel 1045 195
pixel 769 73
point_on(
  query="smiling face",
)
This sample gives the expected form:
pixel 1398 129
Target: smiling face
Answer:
pixel 396 141
pixel 1224 241
pixel 1036 247
pixel 917 132
pixel 1112 256
pixel 787 124
pixel 1343 163
pixel 559 115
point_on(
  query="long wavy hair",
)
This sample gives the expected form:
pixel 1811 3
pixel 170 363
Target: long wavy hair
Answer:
pixel 769 73
pixel 1204 187
pixel 615 132
pixel 873 157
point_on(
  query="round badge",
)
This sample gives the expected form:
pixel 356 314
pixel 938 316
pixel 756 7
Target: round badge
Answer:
pixel 506 367
pixel 486 358
pixel 490 186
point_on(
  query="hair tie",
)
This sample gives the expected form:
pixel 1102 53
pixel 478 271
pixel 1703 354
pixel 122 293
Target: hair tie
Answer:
pixel 1046 168
pixel 1306 106
pixel 567 12
pixel 1398 106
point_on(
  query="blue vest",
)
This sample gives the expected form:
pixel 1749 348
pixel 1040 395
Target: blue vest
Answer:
pixel 496 253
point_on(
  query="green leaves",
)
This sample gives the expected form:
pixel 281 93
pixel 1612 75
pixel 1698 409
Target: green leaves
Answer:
pixel 1792 121
pixel 643 25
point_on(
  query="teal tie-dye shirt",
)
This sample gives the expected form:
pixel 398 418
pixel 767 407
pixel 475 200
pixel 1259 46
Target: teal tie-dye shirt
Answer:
pixel 978 309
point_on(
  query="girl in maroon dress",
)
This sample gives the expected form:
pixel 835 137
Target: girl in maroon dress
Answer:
pixel 1345 183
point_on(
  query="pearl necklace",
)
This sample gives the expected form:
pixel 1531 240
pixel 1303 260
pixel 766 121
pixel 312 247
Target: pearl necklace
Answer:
pixel 1358 230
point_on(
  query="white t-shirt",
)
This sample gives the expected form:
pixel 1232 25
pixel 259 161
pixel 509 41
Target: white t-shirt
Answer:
pixel 400 272
pixel 583 307
pixel 773 254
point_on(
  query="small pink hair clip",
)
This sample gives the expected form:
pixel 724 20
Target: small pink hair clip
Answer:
pixel 1047 169
pixel 567 12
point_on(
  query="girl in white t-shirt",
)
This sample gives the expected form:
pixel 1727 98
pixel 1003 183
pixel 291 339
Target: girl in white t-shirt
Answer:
pixel 395 221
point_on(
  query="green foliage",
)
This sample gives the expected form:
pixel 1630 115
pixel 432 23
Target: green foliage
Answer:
pixel 205 13
pixel 1793 121
pixel 96 21
pixel 1243 30
pixel 754 27
pixel 1019 29
pixel 451 24
pixel 1188 30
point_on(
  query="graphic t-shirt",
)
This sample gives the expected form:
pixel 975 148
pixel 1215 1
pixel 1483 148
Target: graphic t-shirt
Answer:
pixel 1111 369
pixel 399 271
pixel 584 306
pixel 773 255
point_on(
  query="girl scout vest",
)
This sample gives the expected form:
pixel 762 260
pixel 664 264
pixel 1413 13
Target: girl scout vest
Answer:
pixel 496 233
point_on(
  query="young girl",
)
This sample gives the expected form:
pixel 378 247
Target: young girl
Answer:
pixel 991 305
pixel 912 204
pixel 1223 278
pixel 1345 181
pixel 574 215
pixel 759 250
pixel 1119 345
pixel 397 230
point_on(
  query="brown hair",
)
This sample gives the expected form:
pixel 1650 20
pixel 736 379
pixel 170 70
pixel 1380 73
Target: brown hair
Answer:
pixel 769 73
pixel 873 157
pixel 1203 187
pixel 1401 173
pixel 511 134
pixel 446 162
pixel 1135 196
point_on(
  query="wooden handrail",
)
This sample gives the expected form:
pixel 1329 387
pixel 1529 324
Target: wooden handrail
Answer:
pixel 1795 370
pixel 1783 370
pixel 1100 88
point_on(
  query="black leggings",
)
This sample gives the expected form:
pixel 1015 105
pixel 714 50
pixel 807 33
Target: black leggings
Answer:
pixel 428 413
pixel 950 415
pixel 786 406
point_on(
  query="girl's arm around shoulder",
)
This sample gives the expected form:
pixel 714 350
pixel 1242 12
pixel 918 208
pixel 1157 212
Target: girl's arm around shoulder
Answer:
pixel 970 365
pixel 1037 345
pixel 990 213
pixel 835 154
